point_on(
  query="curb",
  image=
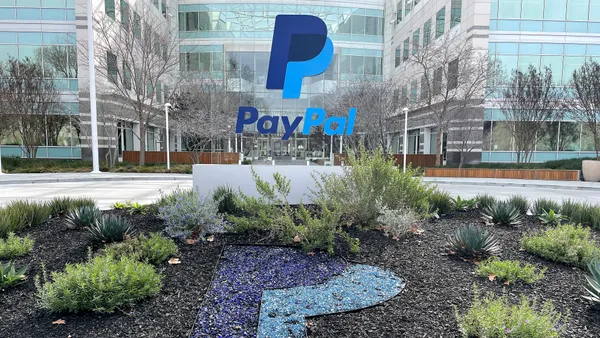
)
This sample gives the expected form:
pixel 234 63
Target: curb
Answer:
pixel 184 177
pixel 518 185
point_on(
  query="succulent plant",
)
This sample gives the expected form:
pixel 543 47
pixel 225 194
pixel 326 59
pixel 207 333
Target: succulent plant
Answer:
pixel 593 283
pixel 551 218
pixel 502 213
pixel 473 241
pixel 83 217
pixel 464 204
pixel 110 229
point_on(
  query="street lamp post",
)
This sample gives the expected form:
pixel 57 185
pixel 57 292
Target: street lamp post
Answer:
pixel 1 173
pixel 404 146
pixel 92 76
pixel 167 141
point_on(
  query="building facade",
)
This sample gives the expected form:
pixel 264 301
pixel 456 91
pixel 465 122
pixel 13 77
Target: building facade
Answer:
pixel 230 40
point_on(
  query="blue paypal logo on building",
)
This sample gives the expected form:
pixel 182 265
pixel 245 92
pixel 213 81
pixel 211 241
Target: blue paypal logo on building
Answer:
pixel 300 49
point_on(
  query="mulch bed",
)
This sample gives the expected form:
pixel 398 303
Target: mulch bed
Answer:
pixel 435 284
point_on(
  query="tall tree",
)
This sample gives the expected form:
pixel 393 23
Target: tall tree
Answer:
pixel 28 99
pixel 452 74
pixel 529 101
pixel 584 101
pixel 137 57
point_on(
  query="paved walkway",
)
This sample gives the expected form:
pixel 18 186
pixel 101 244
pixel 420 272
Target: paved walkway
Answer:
pixel 108 188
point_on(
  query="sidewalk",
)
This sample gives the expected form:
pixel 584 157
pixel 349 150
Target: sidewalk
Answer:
pixel 501 182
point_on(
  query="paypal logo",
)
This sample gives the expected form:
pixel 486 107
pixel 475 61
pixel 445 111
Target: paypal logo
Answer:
pixel 300 48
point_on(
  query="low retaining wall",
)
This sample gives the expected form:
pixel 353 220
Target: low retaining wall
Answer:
pixel 524 174
pixel 207 177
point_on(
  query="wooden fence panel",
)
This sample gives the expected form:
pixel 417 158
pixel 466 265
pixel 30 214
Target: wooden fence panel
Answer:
pixel 182 157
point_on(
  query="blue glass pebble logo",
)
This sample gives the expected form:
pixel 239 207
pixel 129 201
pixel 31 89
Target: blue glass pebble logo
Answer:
pixel 267 292
pixel 300 48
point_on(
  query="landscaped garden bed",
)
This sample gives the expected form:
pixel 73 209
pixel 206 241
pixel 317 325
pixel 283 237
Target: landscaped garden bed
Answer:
pixel 217 282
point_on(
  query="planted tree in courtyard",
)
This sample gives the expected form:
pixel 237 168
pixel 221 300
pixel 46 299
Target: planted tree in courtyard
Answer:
pixel 451 74
pixel 584 99
pixel 137 57
pixel 29 103
pixel 528 102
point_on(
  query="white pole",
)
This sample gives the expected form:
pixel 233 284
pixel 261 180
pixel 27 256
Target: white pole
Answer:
pixel 341 142
pixel 229 143
pixel 236 148
pixel 1 173
pixel 92 76
pixel 404 147
pixel 167 141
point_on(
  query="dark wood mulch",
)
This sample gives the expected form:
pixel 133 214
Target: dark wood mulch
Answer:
pixel 435 284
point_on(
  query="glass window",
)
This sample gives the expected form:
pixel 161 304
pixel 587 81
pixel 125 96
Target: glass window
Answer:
pixel 593 50
pixel 501 136
pixel 413 91
pixel 28 14
pixel 406 48
pixel 594 11
pixel 424 88
pixel 371 65
pixel 125 14
pixel 358 24
pixel 70 14
pixel 574 49
pixel 426 32
pixel 494 10
pixel 371 25
pixel 577 27
pixel 587 138
pixel 137 25
pixel 53 3
pixel 53 14
pixel 7 14
pixel 555 9
pixel 407 7
pixel 455 13
pixel 8 51
pixel 30 38
pixel 509 9
pixel 578 9
pixel 571 64
pixel 126 76
pixel 554 26
pixel 453 74
pixel 399 11
pixel 192 22
pixel 55 38
pixel 594 27
pixel 28 52
pixel 508 25
pixel 416 40
pixel 553 48
pixel 526 60
pixel 8 37
pixel 508 63
pixel 437 81
pixel 440 22
pixel 556 64
pixel 398 58
pixel 507 48
pixel 533 9
pixel 530 48
pixel 569 136
pixel 28 3
pixel 531 26
pixel 357 64
pixel 109 8
pixel 111 66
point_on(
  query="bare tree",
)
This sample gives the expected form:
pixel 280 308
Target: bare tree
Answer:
pixel 528 102
pixel 452 75
pixel 376 103
pixel 137 57
pixel 466 135
pixel 29 100
pixel 584 101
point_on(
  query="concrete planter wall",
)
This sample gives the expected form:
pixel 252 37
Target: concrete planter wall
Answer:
pixel 591 170
pixel 207 177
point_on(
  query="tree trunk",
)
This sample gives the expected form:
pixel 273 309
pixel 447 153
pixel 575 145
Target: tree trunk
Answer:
pixel 438 147
pixel 142 144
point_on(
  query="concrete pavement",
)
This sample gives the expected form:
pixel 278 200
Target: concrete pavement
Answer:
pixel 108 188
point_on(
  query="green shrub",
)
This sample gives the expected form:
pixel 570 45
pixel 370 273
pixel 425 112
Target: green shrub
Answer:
pixel 593 283
pixel 109 229
pixel 485 200
pixel 64 205
pixel 83 217
pixel 473 241
pixel 520 203
pixel 574 211
pixel 34 213
pixel 10 276
pixel 502 213
pixel 10 221
pixel 464 204
pixel 101 285
pixel 154 249
pixel 247 162
pixel 227 199
pixel 566 243
pixel 398 222
pixel 541 204
pixel 317 233
pixel 441 202
pixel 510 271
pixel 551 218
pixel 372 177
pixel 15 246
pixel 494 317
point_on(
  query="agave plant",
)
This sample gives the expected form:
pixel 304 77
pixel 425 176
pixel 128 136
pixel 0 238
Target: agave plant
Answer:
pixel 226 197
pixel 551 218
pixel 10 276
pixel 502 213
pixel 83 217
pixel 464 204
pixel 593 283
pixel 110 229
pixel 473 241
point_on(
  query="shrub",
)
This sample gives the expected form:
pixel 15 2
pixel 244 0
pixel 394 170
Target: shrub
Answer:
pixel 502 213
pixel 15 246
pixel 83 217
pixel 485 200
pixel 464 204
pixel 109 229
pixel 441 201
pixel 566 243
pixel 64 205
pixel 371 177
pixel 510 271
pixel 398 222
pixel 227 199
pixel 584 213
pixel 137 208
pixel 154 249
pixel 495 317
pixel 10 221
pixel 550 218
pixel 247 162
pixel 541 204
pixel 593 283
pixel 101 285
pixel 10 276
pixel 119 206
pixel 185 212
pixel 473 241
pixel 33 213
pixel 520 203
pixel 317 233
